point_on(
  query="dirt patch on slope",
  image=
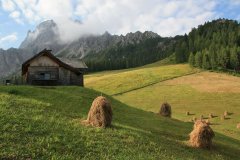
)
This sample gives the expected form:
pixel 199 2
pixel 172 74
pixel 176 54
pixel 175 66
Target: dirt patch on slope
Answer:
pixel 209 82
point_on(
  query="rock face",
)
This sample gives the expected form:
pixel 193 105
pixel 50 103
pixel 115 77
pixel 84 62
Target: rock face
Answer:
pixel 96 43
pixel 11 60
pixel 46 35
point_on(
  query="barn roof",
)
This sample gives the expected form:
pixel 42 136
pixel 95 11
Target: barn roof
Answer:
pixel 75 65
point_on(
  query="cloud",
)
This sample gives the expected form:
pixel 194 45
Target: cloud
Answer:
pixel 235 2
pixel 8 5
pixel 15 14
pixel 166 17
pixel 9 38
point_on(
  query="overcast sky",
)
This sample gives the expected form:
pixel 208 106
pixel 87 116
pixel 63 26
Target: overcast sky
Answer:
pixel 166 17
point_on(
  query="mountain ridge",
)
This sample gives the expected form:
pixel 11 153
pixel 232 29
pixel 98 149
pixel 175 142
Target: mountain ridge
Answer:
pixel 217 44
pixel 46 35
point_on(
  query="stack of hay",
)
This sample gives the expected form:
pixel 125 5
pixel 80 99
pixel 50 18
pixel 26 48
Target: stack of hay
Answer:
pixel 238 126
pixel 194 119
pixel 210 115
pixel 165 110
pixel 100 113
pixel 226 113
pixel 201 136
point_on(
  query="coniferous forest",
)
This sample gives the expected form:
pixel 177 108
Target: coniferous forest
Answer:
pixel 214 45
pixel 132 55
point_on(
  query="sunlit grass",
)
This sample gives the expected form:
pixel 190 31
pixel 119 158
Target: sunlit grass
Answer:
pixel 116 82
pixel 44 123
pixel 183 98
pixel 200 94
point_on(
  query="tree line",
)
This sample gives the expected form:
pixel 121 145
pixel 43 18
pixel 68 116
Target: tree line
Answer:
pixel 213 45
pixel 131 55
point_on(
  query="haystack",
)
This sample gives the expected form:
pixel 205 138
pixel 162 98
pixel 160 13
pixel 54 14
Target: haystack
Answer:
pixel 165 110
pixel 208 122
pixel 238 126
pixel 100 113
pixel 210 115
pixel 194 119
pixel 226 113
pixel 201 136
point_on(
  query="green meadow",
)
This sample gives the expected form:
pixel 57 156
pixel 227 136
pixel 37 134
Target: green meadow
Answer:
pixel 186 89
pixel 45 123
pixel 117 82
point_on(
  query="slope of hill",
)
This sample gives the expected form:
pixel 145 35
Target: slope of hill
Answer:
pixel 121 81
pixel 199 93
pixel 39 126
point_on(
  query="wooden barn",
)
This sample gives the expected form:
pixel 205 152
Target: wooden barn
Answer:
pixel 46 69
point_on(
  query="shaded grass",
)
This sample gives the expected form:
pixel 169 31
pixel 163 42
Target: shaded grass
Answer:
pixel 40 123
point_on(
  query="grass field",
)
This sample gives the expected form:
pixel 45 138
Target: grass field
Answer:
pixel 116 82
pixel 44 123
pixel 199 93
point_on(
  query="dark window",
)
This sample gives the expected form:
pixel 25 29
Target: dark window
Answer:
pixel 46 76
pixel 43 76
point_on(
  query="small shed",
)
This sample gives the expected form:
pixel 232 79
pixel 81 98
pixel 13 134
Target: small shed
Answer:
pixel 46 69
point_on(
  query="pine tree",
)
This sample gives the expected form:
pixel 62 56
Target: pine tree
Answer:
pixel 223 58
pixel 181 52
pixel 234 61
pixel 198 59
pixel 205 61
pixel 191 59
pixel 213 59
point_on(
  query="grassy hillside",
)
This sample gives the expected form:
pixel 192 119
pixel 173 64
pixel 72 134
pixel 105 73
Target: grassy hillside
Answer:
pixel 199 93
pixel 44 123
pixel 116 82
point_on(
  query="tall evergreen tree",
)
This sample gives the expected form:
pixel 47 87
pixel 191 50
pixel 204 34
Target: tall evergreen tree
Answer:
pixel 205 61
pixel 234 58
pixel 181 52
pixel 198 59
pixel 191 59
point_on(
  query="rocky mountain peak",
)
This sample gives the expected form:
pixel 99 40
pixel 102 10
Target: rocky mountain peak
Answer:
pixel 46 35
pixel 46 25
pixel 150 34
